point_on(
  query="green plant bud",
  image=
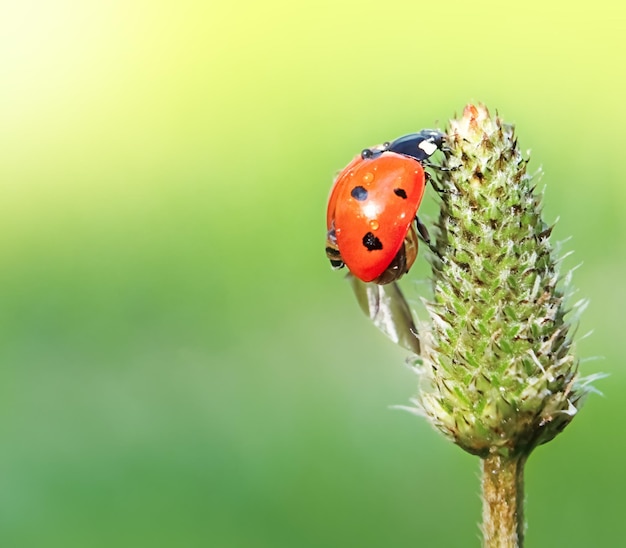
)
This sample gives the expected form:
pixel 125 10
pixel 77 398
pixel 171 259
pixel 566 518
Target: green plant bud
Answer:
pixel 497 365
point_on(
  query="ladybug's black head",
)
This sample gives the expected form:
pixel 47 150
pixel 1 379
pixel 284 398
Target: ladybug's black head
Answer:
pixel 418 145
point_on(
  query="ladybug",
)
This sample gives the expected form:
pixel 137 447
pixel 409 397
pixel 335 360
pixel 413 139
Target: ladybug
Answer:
pixel 371 220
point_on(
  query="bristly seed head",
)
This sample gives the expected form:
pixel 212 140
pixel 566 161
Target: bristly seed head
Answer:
pixel 498 369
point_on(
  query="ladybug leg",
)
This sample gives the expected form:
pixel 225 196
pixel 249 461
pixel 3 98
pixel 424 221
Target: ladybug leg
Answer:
pixel 425 237
pixel 438 167
pixel 332 251
pixel 422 231
pixel 433 183
pixel 334 257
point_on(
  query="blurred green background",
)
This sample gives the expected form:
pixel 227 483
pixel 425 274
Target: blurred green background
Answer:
pixel 180 367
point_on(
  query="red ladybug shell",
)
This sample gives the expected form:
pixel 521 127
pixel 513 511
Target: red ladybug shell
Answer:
pixel 371 207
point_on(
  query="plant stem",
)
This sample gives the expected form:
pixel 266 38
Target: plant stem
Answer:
pixel 503 501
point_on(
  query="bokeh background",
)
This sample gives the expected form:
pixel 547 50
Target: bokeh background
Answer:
pixel 179 365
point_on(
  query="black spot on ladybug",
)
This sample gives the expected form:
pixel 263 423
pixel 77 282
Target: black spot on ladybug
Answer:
pixel 359 193
pixel 400 192
pixel 371 242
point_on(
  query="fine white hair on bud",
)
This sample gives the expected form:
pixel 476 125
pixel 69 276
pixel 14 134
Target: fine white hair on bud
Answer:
pixel 498 370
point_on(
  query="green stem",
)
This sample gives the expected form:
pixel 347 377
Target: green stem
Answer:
pixel 503 501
